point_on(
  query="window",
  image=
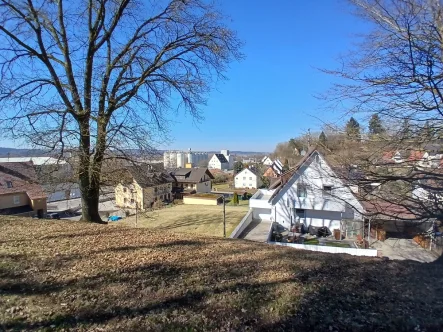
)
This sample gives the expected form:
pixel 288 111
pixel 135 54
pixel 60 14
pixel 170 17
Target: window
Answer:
pixel 327 191
pixel 250 185
pixel 9 184
pixel 301 190
pixel 244 184
pixel 125 189
pixel 300 214
pixel 16 200
pixel 132 201
pixel 244 178
pixel 250 178
pixel 125 200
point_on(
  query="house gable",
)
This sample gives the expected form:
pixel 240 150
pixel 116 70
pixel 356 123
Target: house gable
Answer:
pixel 314 174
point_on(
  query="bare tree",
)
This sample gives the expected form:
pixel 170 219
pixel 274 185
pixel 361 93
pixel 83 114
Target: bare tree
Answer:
pixel 396 72
pixel 103 75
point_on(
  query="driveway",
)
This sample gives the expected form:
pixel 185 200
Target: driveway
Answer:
pixel 257 231
pixel 402 249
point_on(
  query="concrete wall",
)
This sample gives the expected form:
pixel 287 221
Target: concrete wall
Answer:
pixel 204 187
pixel 332 250
pixel 199 201
pixel 247 219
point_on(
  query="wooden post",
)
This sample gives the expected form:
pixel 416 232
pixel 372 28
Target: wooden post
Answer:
pixel 136 213
pixel 224 216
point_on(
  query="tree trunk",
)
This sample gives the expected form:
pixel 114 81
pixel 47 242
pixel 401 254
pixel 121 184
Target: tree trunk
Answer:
pixel 88 183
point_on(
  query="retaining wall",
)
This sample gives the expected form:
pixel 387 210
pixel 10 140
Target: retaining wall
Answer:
pixel 247 219
pixel 332 250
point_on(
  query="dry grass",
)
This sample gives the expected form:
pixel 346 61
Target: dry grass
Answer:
pixel 201 219
pixel 60 275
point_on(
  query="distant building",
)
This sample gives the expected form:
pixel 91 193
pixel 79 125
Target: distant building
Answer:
pixel 48 168
pixel 275 170
pixel 20 192
pixel 141 188
pixel 192 179
pixel 266 161
pixel 179 159
pixel 247 178
pixel 219 161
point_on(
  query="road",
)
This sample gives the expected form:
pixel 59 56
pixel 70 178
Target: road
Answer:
pixel 107 205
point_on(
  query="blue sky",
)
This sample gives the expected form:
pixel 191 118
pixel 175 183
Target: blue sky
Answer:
pixel 269 96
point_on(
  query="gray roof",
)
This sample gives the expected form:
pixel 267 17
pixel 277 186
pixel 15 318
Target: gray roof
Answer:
pixel 144 176
pixel 221 157
pixel 195 175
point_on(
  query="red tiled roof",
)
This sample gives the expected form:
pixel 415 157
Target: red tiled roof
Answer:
pixel 387 210
pixel 416 155
pixel 388 155
pixel 22 178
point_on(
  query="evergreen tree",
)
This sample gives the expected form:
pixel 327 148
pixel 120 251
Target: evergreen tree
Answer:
pixel 235 199
pixel 353 129
pixel 238 167
pixel 376 126
pixel 405 130
pixel 322 139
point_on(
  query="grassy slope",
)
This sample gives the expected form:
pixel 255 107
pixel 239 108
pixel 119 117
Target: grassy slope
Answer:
pixel 91 277
pixel 201 219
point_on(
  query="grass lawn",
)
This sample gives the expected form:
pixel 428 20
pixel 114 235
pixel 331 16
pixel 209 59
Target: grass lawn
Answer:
pixel 73 276
pixel 64 275
pixel 201 219
pixel 222 187
pixel 240 203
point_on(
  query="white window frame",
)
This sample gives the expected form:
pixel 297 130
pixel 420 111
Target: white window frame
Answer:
pixel 16 199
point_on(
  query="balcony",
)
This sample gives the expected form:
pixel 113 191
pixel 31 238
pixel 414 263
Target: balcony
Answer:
pixel 317 203
pixel 261 199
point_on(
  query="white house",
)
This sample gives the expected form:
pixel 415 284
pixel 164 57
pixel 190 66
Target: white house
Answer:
pixel 310 194
pixel 266 161
pixel 218 161
pixel 247 178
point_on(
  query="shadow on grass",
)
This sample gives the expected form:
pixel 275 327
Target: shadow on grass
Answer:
pixel 210 284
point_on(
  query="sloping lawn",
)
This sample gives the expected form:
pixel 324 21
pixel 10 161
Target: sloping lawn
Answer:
pixel 201 219
pixel 62 275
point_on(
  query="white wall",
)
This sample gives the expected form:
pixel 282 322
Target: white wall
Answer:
pixel 320 210
pixel 332 250
pixel 261 214
pixel 247 179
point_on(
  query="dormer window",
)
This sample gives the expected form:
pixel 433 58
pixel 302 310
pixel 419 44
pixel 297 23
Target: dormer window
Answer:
pixel 9 184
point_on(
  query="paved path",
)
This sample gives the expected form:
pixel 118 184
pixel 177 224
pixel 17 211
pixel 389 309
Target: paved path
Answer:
pixel 256 231
pixel 404 249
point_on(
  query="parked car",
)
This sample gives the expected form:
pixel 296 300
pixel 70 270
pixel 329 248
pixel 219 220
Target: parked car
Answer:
pixel 53 215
